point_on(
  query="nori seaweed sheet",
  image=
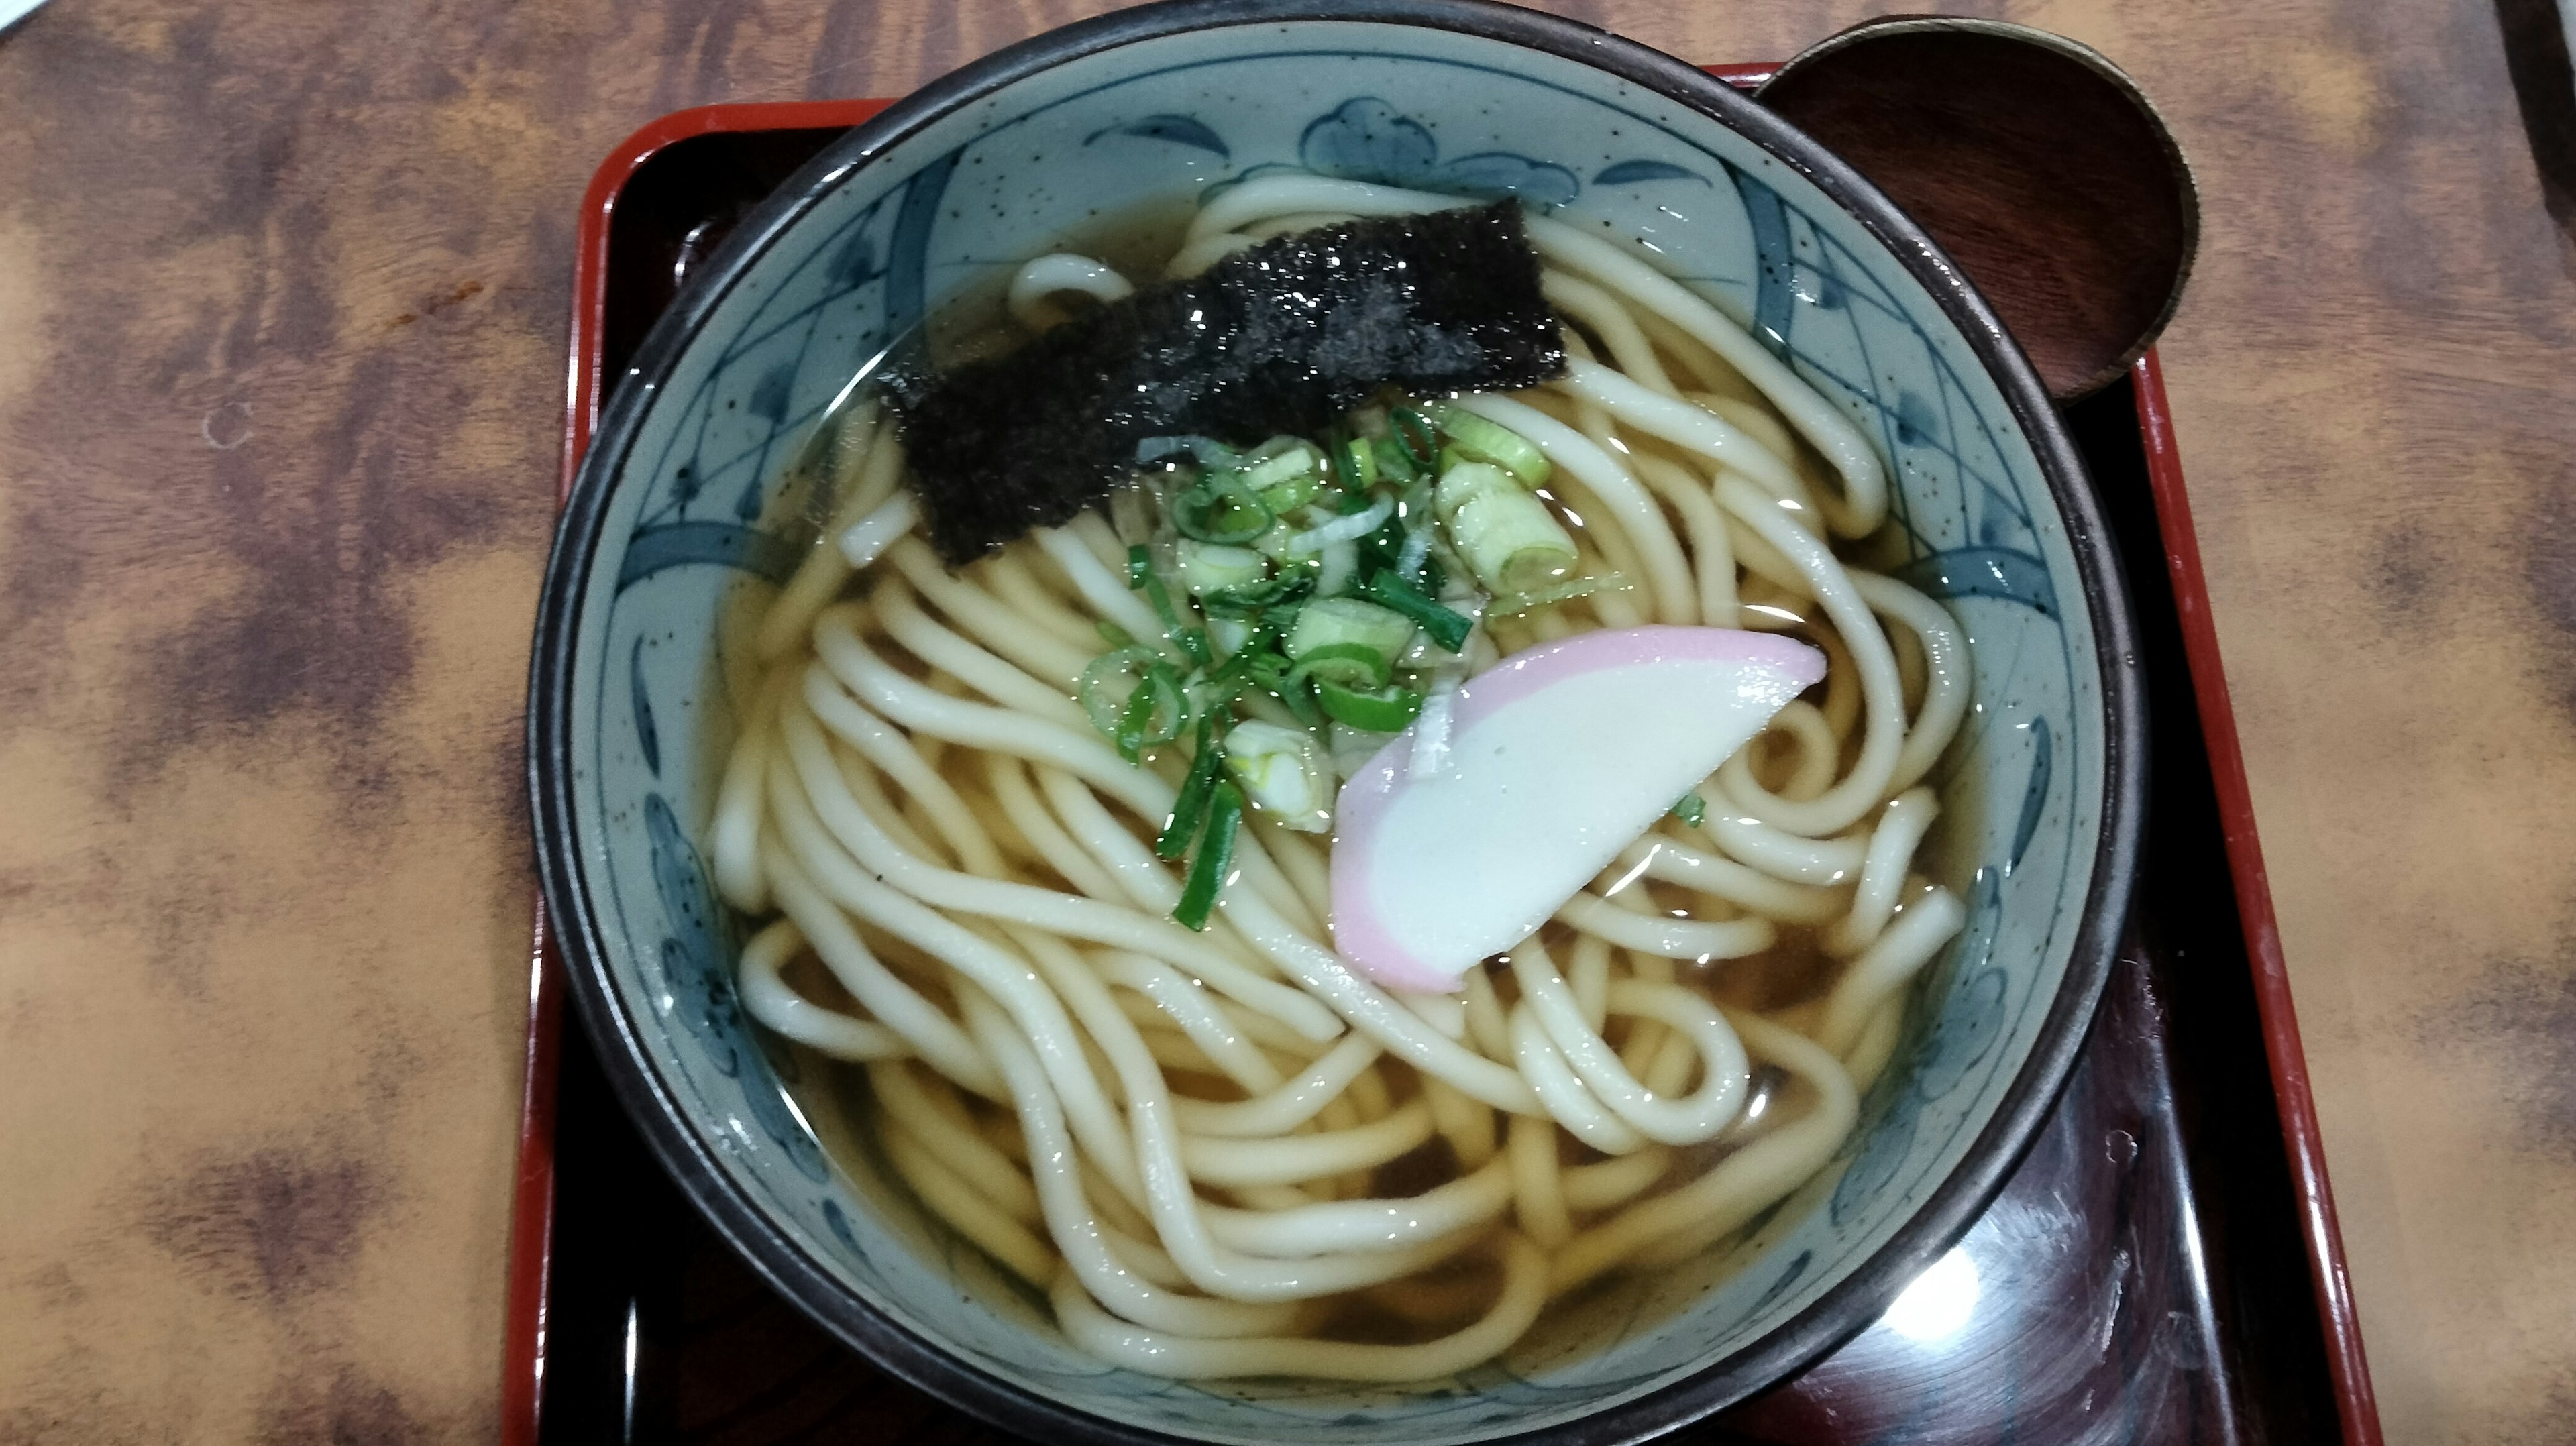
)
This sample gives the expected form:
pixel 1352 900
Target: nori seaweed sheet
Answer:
pixel 1285 336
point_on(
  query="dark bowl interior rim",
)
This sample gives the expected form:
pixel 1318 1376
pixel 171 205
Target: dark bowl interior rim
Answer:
pixel 1898 28
pixel 1843 1310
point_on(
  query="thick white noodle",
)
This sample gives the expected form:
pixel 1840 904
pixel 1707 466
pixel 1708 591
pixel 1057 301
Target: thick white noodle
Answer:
pixel 1740 1186
pixel 824 569
pixel 768 998
pixel 1826 428
pixel 863 541
pixel 1686 1121
pixel 1900 830
pixel 1883 703
pixel 1678 422
pixel 1040 280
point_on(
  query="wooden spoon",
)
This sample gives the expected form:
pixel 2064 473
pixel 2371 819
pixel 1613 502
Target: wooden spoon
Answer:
pixel 2035 162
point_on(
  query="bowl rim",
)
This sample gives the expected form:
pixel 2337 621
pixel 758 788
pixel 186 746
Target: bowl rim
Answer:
pixel 776 1256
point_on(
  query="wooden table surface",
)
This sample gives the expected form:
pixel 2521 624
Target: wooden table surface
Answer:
pixel 282 309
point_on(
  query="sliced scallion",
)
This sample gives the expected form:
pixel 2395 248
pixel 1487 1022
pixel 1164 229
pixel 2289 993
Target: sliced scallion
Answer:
pixel 1510 539
pixel 1379 710
pixel 1393 461
pixel 1206 567
pixel 1340 564
pixel 1480 440
pixel 1245 661
pixel 1691 810
pixel 1221 509
pixel 1283 498
pixel 1283 772
pixel 1415 436
pixel 1243 602
pixel 1447 628
pixel 1154 713
pixel 1371 514
pixel 1190 640
pixel 1347 665
pixel 1227 636
pixel 1270 670
pixel 1354 464
pixel 1287 459
pixel 1215 858
pixel 1417 551
pixel 1105 686
pixel 1191 806
pixel 1336 620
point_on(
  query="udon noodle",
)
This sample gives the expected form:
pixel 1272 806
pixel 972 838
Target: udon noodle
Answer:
pixel 1225 1152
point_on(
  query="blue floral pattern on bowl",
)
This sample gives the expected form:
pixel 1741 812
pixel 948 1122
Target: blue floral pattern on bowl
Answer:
pixel 684 520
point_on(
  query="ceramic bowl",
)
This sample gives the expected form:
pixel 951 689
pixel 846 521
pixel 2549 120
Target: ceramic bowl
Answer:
pixel 668 526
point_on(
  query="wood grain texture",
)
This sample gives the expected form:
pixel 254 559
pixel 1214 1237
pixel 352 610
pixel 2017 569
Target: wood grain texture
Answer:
pixel 282 302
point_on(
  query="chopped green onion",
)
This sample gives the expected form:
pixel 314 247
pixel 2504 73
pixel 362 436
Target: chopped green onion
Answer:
pixel 1192 641
pixel 1245 660
pixel 1447 628
pixel 1348 665
pixel 1285 497
pixel 1284 460
pixel 1271 672
pixel 1355 465
pixel 1415 551
pixel 1283 772
pixel 1227 636
pixel 1691 810
pixel 1243 602
pixel 1382 710
pixel 1191 806
pixel 1215 857
pixel 1132 721
pixel 1392 461
pixel 1206 567
pixel 1383 547
pixel 1479 440
pixel 1510 539
pixel 1338 565
pixel 1109 681
pixel 1208 694
pixel 1154 713
pixel 1414 436
pixel 1114 635
pixel 1335 620
pixel 1357 522
pixel 1221 509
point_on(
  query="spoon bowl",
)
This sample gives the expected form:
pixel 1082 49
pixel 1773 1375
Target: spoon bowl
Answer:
pixel 2034 161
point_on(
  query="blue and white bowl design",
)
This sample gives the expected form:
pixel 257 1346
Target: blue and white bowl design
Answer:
pixel 1011 158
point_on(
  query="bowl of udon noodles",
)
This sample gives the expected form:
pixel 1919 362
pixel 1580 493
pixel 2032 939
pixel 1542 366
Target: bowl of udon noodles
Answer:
pixel 1509 910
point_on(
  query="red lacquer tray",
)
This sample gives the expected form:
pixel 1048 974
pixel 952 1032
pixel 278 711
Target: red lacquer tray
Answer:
pixel 2163 1267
